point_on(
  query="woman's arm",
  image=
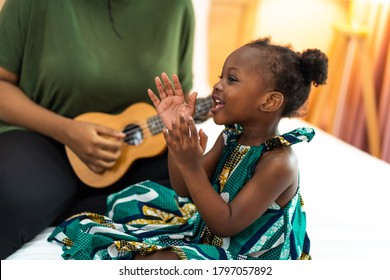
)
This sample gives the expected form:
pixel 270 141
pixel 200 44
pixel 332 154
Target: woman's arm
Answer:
pixel 16 108
pixel 98 146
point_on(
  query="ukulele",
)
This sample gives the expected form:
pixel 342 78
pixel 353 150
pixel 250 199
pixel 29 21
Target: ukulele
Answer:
pixel 143 139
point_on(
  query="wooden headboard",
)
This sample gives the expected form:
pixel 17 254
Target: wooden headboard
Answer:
pixel 231 24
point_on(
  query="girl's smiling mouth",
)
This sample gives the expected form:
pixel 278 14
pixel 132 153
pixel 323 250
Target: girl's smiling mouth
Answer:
pixel 217 103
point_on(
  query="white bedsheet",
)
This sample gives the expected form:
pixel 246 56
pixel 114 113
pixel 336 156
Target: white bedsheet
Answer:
pixel 346 195
pixel 345 190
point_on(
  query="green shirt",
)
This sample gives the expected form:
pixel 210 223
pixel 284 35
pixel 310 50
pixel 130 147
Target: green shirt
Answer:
pixel 75 56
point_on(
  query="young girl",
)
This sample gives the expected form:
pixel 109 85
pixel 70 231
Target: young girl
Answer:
pixel 241 200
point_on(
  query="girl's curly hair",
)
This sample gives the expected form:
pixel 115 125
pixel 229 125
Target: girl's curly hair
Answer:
pixel 291 73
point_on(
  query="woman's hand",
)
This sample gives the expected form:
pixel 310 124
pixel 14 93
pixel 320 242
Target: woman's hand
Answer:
pixel 171 103
pixel 99 147
pixel 185 144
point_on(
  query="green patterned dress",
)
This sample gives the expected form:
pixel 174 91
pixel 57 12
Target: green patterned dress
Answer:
pixel 147 216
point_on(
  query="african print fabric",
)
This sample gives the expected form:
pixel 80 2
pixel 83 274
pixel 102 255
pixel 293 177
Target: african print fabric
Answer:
pixel 146 217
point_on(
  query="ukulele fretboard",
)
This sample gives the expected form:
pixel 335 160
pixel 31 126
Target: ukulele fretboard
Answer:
pixel 155 124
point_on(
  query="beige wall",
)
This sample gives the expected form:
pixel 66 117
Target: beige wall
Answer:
pixel 303 23
pixel 1 3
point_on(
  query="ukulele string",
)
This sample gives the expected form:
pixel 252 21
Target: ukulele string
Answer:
pixel 144 127
pixel 203 105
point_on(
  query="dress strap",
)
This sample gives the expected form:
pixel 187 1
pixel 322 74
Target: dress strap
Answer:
pixel 303 134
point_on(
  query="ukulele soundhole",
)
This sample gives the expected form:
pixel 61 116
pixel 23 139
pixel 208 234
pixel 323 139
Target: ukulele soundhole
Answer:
pixel 134 134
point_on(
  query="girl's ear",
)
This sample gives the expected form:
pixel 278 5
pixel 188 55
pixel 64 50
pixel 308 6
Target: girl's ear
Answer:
pixel 272 101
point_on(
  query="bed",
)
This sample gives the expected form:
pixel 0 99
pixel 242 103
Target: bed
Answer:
pixel 345 190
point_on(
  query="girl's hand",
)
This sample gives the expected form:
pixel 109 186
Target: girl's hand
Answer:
pixel 171 103
pixel 99 147
pixel 185 144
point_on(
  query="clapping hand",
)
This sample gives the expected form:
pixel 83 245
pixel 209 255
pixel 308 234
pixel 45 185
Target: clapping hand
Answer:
pixel 171 104
pixel 185 143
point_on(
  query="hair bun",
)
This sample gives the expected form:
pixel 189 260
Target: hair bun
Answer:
pixel 314 64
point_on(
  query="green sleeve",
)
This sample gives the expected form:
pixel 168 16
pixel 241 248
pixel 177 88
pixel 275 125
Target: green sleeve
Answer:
pixel 187 48
pixel 14 22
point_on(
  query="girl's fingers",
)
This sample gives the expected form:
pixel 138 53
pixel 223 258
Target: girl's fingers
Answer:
pixel 167 137
pixel 168 85
pixel 203 139
pixel 183 126
pixel 165 88
pixel 177 85
pixel 153 98
pixel 192 103
pixel 193 130
pixel 160 88
pixel 188 129
pixel 175 133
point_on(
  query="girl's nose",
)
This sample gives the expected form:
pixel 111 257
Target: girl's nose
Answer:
pixel 218 86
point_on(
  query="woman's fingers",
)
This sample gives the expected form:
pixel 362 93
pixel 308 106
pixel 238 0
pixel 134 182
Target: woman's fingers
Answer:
pixel 109 132
pixel 107 146
pixel 96 169
pixel 103 160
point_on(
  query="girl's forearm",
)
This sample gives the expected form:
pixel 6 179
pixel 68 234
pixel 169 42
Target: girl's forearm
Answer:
pixel 176 179
pixel 214 210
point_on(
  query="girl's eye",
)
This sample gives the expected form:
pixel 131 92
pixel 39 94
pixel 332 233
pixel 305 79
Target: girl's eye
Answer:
pixel 232 79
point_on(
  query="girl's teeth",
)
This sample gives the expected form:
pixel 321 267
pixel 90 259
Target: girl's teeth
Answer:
pixel 218 103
